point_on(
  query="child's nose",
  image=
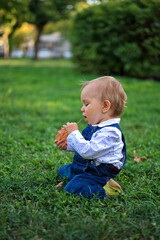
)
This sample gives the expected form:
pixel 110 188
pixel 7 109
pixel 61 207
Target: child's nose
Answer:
pixel 82 109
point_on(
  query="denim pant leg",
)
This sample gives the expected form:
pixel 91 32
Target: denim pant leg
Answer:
pixel 83 186
pixel 65 171
pixel 70 170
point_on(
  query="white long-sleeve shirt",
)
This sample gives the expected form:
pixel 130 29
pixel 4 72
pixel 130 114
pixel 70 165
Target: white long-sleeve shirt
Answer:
pixel 105 145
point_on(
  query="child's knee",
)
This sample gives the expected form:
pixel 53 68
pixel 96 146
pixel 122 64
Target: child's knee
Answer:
pixel 78 188
pixel 84 189
pixel 65 171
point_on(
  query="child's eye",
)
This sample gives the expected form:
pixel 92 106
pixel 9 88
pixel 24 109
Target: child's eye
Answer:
pixel 86 104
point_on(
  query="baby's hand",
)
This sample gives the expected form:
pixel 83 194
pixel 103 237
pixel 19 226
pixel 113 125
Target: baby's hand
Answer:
pixel 61 137
pixel 61 144
pixel 70 127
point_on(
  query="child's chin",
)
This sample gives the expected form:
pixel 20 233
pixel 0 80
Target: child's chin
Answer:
pixel 88 122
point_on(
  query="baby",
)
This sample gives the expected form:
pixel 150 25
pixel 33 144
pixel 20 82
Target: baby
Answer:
pixel 100 151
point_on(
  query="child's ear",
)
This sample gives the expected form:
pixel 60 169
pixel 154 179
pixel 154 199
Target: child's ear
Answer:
pixel 106 106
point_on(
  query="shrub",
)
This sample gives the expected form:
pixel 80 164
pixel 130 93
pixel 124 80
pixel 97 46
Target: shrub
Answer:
pixel 118 37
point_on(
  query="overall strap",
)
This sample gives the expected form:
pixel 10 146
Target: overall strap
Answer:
pixel 87 134
pixel 108 168
pixel 124 150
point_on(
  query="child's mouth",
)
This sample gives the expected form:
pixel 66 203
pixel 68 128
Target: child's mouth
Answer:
pixel 85 118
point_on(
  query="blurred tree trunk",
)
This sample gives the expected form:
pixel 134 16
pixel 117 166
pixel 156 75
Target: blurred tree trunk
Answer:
pixel 37 40
pixel 6 45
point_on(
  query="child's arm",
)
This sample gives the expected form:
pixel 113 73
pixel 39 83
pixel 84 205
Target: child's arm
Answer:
pixel 105 142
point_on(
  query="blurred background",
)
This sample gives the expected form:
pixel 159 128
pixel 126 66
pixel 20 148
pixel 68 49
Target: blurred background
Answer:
pixel 115 36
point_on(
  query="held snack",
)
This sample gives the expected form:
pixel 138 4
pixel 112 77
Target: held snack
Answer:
pixel 62 135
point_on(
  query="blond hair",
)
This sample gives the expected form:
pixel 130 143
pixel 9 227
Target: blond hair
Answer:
pixel 109 88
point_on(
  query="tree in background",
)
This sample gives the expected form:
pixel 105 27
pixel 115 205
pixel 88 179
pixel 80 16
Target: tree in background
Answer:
pixel 119 37
pixel 47 11
pixel 22 35
pixel 38 12
pixel 12 14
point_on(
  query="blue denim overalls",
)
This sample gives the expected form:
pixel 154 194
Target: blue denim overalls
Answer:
pixel 85 178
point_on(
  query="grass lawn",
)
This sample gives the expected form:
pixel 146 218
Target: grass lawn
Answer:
pixel 36 98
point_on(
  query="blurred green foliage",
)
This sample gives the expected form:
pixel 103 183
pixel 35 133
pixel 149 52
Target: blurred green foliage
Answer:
pixel 119 37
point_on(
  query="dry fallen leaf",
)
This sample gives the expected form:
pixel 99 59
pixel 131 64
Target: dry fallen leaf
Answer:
pixel 138 159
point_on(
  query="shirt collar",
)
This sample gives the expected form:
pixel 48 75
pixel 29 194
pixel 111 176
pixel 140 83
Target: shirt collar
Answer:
pixel 107 122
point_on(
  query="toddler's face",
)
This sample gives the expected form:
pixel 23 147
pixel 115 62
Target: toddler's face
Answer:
pixel 92 105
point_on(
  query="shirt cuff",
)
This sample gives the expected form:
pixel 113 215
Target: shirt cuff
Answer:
pixel 71 139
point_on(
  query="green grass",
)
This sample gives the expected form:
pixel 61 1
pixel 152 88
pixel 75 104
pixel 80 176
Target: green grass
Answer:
pixel 36 98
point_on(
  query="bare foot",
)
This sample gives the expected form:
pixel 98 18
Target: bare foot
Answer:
pixel 60 184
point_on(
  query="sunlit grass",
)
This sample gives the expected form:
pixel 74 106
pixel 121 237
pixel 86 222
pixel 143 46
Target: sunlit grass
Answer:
pixel 36 98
